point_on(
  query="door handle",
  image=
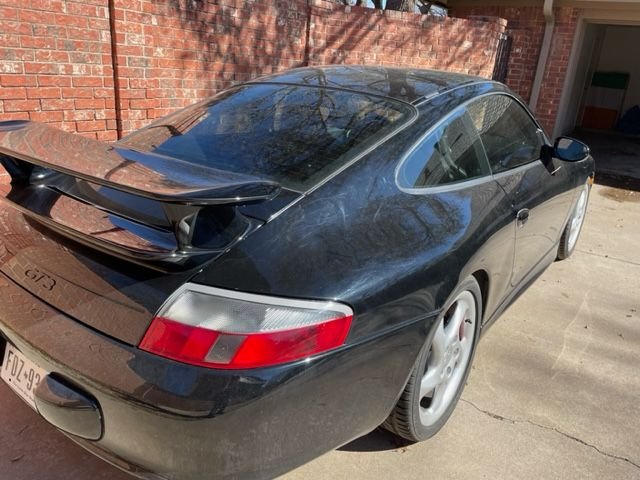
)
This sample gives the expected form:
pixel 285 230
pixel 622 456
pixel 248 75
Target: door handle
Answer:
pixel 522 217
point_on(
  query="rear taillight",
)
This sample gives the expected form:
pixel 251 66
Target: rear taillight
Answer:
pixel 218 328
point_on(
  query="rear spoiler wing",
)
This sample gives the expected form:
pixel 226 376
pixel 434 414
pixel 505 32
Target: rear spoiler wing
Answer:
pixel 149 175
pixel 185 192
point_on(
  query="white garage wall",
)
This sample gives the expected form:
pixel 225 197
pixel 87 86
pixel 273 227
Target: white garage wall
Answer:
pixel 620 54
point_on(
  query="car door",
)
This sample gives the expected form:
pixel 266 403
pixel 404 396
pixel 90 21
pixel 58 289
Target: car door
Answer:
pixel 447 172
pixel 540 199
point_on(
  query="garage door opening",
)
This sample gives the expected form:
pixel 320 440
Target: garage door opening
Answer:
pixel 604 106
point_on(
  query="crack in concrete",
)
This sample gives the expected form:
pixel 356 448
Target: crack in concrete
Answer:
pixel 609 257
pixel 552 429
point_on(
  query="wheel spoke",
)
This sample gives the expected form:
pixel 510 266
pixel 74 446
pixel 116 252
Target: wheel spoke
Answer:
pixel 435 364
pixel 430 381
pixel 439 345
pixel 452 331
pixel 438 396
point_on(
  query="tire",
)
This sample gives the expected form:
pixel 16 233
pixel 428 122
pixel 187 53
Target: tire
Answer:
pixel 444 362
pixel 571 232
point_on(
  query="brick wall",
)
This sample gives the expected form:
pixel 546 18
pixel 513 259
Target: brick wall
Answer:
pixel 55 65
pixel 360 35
pixel 557 65
pixel 57 56
pixel 170 54
pixel 526 26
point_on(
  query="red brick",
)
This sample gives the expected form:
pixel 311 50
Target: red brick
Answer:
pixel 14 116
pixel 56 104
pixel 77 92
pixel 144 83
pixel 13 93
pixel 144 104
pixel 107 136
pixel 83 34
pixel 88 81
pixel 15 28
pixel 7 13
pixel 45 116
pixel 134 115
pixel 53 80
pixel 71 20
pixel 106 114
pixel 91 125
pixel 41 92
pixel 17 54
pixel 9 40
pixel 82 9
pixel 132 93
pixel 11 67
pixel 31 16
pixel 17 80
pixel 48 5
pixel 103 92
pixel 84 57
pixel 98 23
pixel 89 103
pixel 72 115
pixel 47 68
pixel 21 105
pixel 51 56
pixel 67 126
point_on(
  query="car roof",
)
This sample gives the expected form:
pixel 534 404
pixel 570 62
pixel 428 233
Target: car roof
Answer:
pixel 407 84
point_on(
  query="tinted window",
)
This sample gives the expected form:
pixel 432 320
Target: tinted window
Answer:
pixel 509 135
pixel 294 135
pixel 452 153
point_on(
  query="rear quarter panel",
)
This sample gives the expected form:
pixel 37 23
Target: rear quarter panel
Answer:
pixel 395 257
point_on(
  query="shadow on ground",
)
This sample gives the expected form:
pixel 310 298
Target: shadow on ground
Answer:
pixel 377 441
pixel 618 181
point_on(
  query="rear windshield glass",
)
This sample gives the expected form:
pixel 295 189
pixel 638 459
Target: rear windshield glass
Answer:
pixel 294 135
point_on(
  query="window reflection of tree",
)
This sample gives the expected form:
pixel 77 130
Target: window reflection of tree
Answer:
pixel 159 132
pixel 394 82
pixel 399 84
pixel 294 131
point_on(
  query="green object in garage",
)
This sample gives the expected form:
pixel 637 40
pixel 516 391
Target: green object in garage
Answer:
pixel 615 80
pixel 604 100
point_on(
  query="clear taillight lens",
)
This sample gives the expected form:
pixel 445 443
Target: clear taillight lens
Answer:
pixel 226 329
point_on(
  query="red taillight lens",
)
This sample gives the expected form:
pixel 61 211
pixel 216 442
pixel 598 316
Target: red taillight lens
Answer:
pixel 222 329
pixel 180 342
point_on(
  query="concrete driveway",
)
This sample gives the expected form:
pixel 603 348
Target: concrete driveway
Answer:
pixel 554 393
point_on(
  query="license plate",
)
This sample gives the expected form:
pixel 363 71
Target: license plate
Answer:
pixel 21 374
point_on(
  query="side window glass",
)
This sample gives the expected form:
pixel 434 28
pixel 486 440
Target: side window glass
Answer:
pixel 452 153
pixel 509 135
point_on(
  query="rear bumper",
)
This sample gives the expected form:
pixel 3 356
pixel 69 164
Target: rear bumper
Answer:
pixel 184 422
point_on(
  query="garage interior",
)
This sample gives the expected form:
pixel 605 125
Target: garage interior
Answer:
pixel 603 100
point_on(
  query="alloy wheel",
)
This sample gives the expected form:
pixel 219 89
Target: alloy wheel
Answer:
pixel 449 356
pixel 578 218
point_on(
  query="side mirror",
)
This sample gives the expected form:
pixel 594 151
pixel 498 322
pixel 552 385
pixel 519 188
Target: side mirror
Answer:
pixel 570 149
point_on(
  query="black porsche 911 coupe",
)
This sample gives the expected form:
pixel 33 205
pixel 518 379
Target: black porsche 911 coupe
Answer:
pixel 272 272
